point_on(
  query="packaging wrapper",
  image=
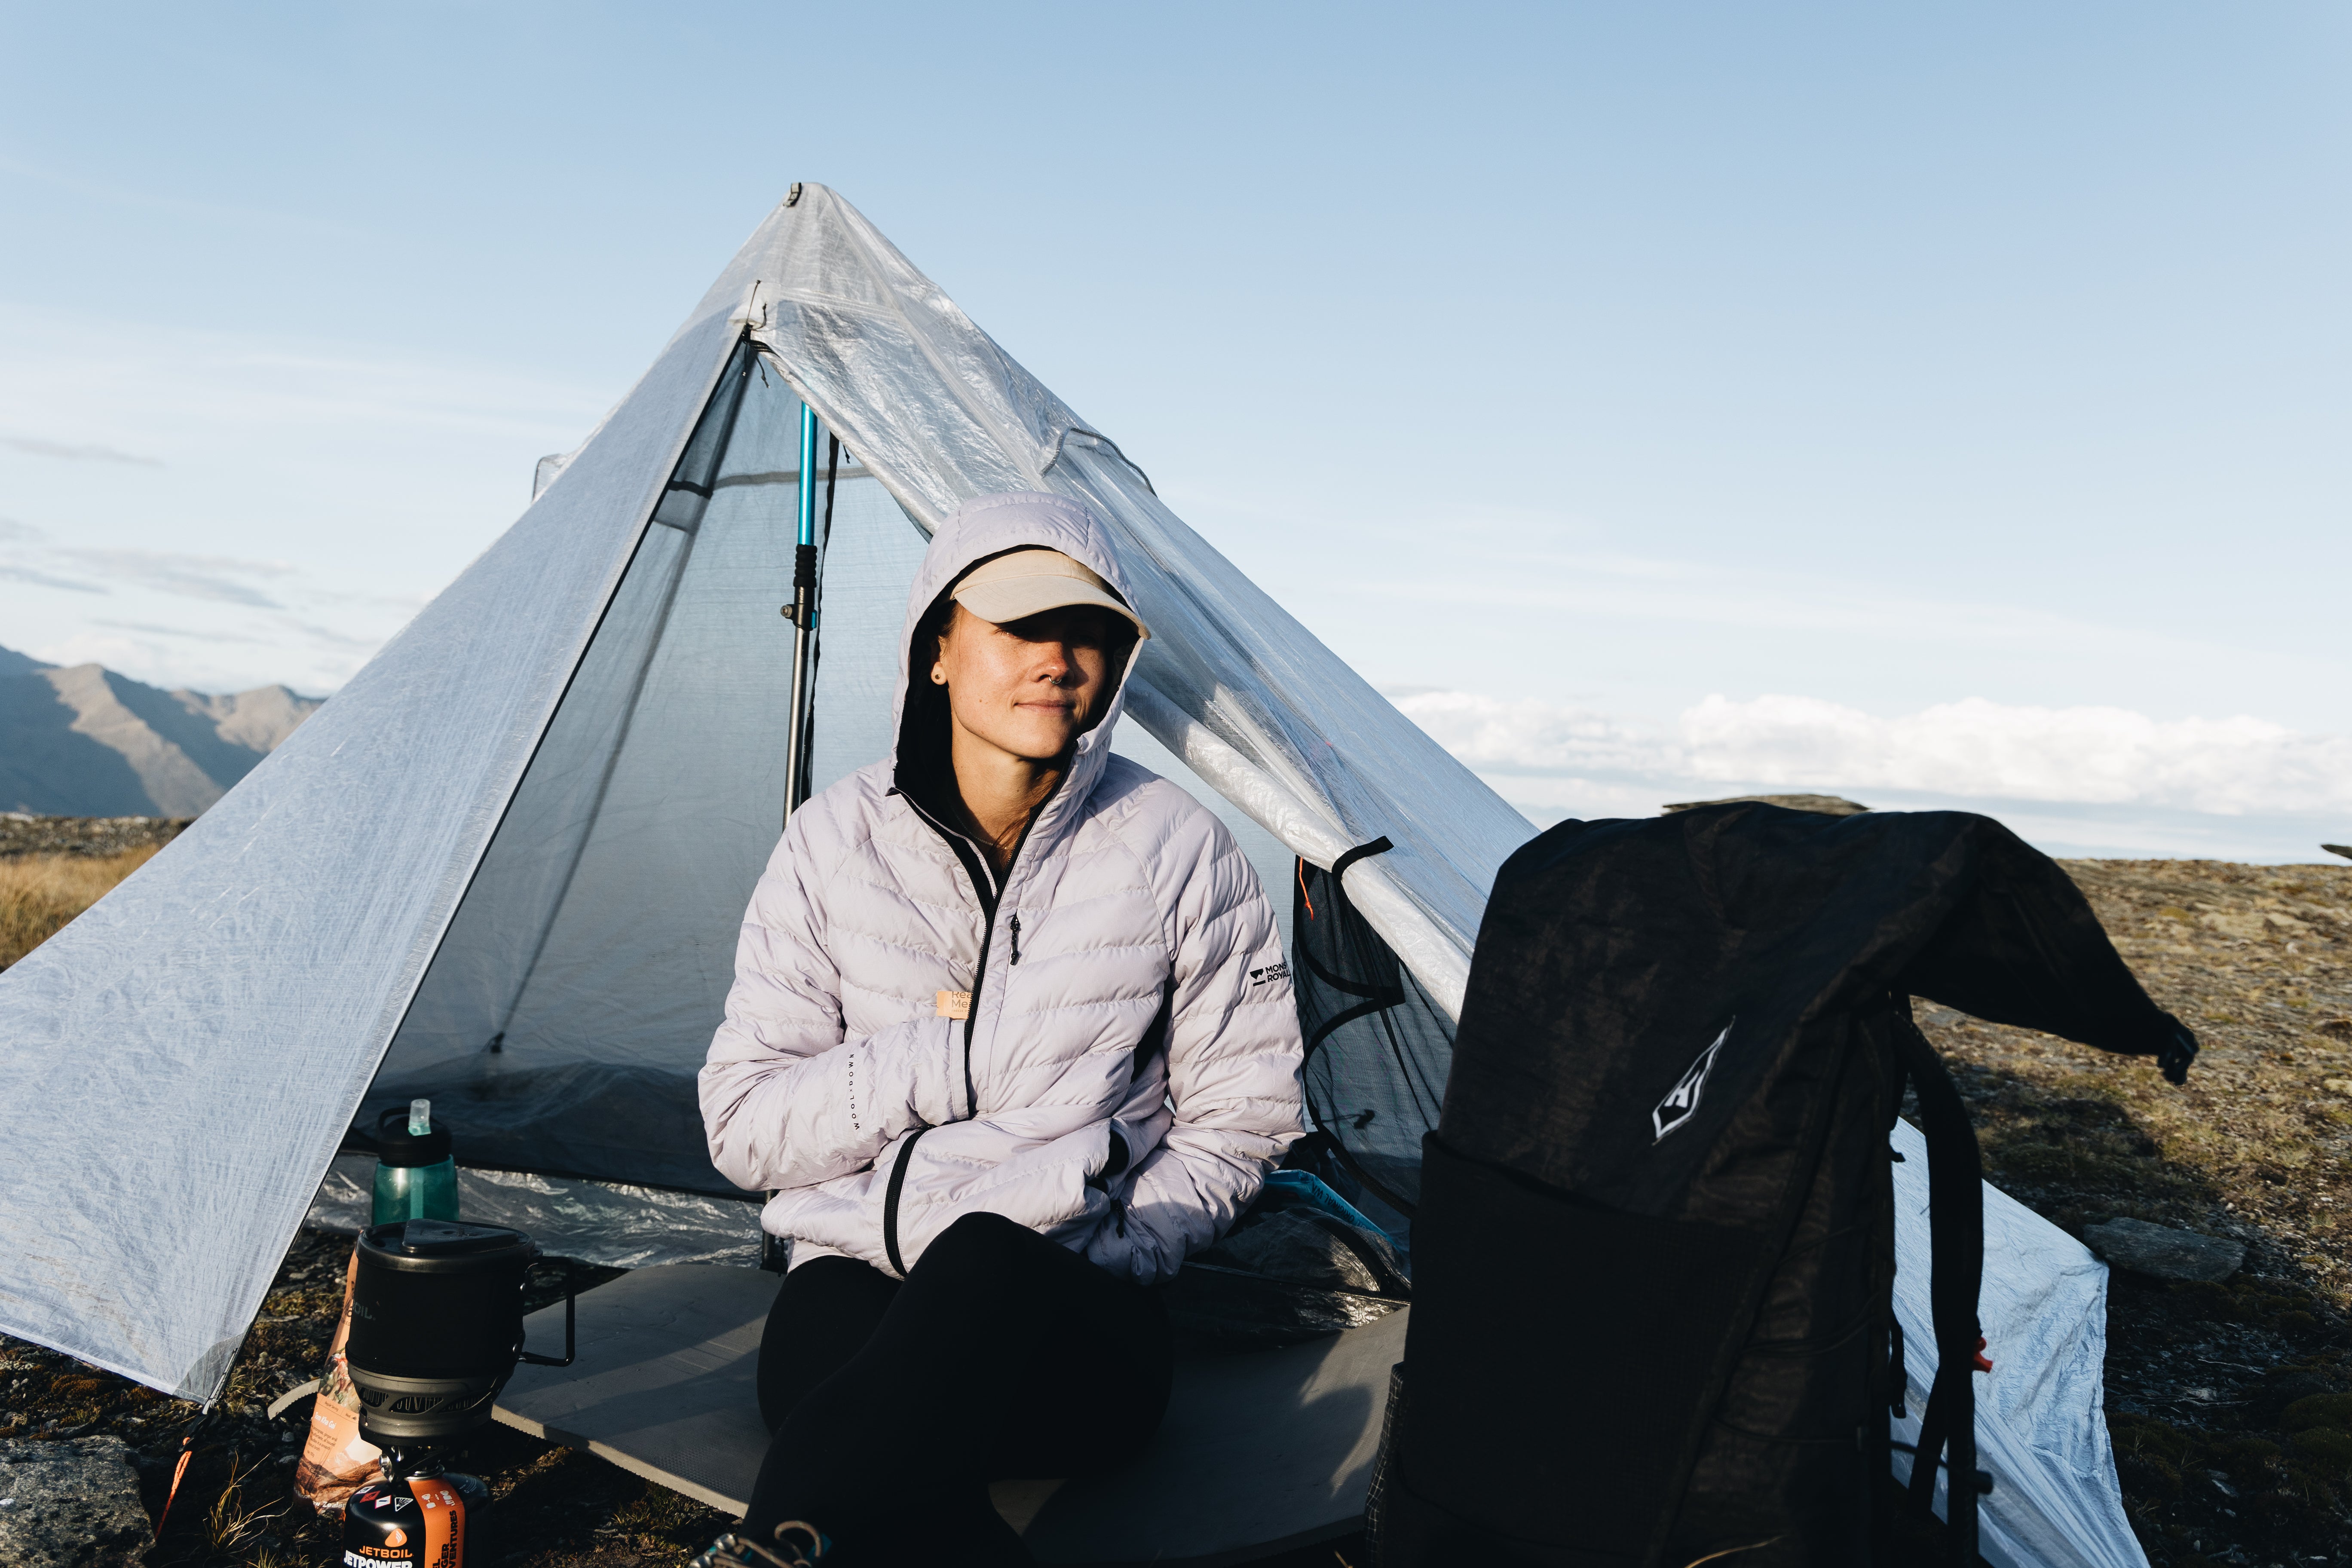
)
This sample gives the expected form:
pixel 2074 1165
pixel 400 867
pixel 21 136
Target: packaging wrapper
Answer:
pixel 336 1459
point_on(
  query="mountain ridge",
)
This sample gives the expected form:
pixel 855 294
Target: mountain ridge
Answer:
pixel 85 741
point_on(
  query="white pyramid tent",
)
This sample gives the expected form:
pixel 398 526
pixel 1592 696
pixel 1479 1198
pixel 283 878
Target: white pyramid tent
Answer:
pixel 505 864
pixel 521 838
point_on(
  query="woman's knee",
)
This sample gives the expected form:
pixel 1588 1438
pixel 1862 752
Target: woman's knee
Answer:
pixel 824 1312
pixel 980 1228
pixel 976 1242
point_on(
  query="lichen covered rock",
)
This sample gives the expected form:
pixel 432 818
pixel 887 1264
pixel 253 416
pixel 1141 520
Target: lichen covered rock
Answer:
pixel 70 1505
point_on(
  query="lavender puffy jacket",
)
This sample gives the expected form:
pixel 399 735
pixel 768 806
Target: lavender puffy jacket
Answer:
pixel 1130 1068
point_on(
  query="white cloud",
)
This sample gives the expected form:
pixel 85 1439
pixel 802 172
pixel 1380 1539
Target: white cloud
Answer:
pixel 214 577
pixel 40 579
pixel 2103 756
pixel 1530 736
pixel 1551 754
pixel 190 634
pixel 123 654
pixel 83 451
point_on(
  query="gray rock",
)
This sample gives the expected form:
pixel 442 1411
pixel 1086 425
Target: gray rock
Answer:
pixel 2163 1252
pixel 71 1505
pixel 1826 805
pixel 2343 849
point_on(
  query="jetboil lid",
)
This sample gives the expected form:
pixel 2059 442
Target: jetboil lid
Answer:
pixel 441 1246
pixel 396 1145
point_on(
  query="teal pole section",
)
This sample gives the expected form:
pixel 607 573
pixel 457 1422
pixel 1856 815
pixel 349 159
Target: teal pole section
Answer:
pixel 801 613
pixel 808 475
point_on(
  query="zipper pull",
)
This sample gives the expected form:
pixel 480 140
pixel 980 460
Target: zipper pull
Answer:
pixel 1016 936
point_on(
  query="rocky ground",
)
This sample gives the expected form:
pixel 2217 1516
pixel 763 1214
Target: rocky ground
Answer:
pixel 554 1508
pixel 2231 1403
pixel 236 1505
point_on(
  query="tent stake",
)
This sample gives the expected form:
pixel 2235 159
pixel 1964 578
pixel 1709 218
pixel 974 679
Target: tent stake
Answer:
pixel 803 619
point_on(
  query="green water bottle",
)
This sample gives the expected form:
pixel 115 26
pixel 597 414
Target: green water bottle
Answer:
pixel 416 1178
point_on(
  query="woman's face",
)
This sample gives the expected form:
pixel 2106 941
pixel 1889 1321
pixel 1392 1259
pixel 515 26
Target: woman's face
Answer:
pixel 1029 688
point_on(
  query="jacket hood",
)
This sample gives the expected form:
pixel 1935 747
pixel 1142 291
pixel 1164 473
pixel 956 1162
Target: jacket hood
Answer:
pixel 983 527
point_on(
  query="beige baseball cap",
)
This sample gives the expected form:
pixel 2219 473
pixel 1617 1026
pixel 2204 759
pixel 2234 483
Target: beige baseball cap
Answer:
pixel 1030 582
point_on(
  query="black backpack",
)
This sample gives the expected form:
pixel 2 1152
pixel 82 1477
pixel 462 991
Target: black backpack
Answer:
pixel 1653 1251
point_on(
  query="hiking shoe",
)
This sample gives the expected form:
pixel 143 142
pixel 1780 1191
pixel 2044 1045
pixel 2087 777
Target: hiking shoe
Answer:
pixel 799 1544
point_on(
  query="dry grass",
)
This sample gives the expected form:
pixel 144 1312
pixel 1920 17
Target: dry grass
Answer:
pixel 39 893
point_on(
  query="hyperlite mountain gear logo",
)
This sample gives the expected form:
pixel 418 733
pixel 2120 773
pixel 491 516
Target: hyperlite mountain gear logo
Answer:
pixel 1682 1100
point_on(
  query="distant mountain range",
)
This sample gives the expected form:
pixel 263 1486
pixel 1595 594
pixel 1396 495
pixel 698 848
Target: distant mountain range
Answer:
pixel 85 742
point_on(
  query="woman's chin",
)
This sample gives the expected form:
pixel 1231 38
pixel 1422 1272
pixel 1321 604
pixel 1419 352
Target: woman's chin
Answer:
pixel 1040 743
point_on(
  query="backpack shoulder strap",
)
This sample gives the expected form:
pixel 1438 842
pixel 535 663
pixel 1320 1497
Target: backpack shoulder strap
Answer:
pixel 1948 1431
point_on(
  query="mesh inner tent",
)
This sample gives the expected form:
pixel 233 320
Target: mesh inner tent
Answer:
pixel 561 1022
pixel 1378 1049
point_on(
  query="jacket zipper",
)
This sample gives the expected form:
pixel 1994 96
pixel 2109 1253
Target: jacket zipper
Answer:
pixel 987 891
pixel 984 887
pixel 971 1014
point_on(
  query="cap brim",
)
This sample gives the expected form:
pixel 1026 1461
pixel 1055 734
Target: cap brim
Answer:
pixel 1018 598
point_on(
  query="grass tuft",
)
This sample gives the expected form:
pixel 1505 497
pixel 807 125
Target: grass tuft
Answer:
pixel 235 1523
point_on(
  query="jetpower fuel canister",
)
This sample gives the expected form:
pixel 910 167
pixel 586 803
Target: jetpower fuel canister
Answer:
pixel 409 1521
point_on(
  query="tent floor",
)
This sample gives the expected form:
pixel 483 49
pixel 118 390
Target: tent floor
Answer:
pixel 1261 1451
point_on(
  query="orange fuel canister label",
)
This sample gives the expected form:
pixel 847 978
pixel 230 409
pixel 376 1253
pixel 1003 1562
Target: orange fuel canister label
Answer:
pixel 445 1524
pixel 416 1522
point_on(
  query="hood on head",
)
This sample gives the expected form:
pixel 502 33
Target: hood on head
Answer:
pixel 983 527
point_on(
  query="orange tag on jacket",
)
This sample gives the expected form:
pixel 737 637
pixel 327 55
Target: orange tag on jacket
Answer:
pixel 955 1004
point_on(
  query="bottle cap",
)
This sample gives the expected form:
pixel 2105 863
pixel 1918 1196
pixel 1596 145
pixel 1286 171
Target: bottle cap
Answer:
pixel 396 1145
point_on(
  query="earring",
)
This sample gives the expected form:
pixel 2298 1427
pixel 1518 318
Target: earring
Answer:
pixel 938 675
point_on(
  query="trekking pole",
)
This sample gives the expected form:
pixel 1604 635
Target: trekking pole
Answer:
pixel 803 614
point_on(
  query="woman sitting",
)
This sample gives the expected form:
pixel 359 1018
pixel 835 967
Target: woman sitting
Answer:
pixel 1010 1037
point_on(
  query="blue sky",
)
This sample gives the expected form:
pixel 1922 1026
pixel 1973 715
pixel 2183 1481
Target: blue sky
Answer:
pixel 1946 405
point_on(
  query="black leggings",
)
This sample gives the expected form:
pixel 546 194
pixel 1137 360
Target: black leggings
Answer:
pixel 1003 1356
